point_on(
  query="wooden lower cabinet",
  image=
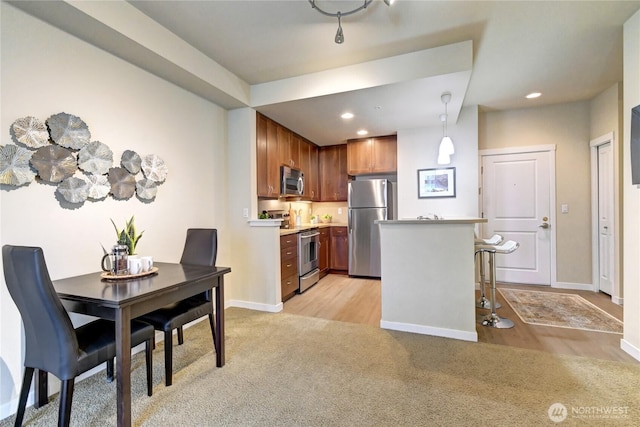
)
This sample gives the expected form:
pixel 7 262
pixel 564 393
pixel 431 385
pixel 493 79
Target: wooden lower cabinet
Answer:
pixel 289 265
pixel 339 250
pixel 324 251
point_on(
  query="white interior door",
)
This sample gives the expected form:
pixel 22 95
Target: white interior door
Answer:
pixel 516 190
pixel 605 219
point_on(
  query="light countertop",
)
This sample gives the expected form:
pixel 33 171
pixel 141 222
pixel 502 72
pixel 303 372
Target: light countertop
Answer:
pixel 294 230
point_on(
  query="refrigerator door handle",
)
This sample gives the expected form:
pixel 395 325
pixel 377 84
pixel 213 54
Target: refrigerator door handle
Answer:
pixel 349 225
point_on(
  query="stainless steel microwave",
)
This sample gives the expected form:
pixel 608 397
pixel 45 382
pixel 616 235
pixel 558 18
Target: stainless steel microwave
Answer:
pixel 291 181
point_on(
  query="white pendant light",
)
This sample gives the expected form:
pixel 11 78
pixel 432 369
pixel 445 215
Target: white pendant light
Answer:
pixel 443 159
pixel 446 145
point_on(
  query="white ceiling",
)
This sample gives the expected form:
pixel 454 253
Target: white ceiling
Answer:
pixel 568 50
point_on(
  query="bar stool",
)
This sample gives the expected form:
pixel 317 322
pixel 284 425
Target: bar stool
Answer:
pixel 492 320
pixel 483 302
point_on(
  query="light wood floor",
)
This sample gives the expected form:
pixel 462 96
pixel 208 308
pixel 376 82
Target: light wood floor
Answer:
pixel 347 299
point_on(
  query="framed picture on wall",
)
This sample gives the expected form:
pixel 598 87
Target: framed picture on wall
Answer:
pixel 439 182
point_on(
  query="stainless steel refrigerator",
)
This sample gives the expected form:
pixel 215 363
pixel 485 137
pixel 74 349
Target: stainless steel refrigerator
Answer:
pixel 369 200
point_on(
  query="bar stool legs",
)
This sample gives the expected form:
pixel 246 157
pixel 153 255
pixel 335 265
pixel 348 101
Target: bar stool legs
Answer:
pixel 492 320
pixel 483 302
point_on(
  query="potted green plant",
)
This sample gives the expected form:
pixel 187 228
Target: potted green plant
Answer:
pixel 128 236
pixel 326 218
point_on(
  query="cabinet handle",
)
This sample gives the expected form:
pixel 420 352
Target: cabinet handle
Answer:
pixel 289 265
pixel 289 253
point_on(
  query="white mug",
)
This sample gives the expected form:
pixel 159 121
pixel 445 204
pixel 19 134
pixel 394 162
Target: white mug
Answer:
pixel 147 263
pixel 135 265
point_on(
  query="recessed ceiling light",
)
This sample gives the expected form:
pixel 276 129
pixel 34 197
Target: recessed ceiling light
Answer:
pixel 347 116
pixel 533 95
pixel 362 132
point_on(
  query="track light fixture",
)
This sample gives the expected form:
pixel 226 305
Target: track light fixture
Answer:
pixel 446 145
pixel 339 39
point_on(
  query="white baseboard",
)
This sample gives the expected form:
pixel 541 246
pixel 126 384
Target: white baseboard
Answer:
pixel 574 286
pixel 270 308
pixel 630 348
pixel 430 330
pixel 617 300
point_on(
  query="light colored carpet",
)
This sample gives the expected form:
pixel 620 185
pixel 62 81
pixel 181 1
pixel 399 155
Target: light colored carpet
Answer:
pixel 288 370
pixel 560 310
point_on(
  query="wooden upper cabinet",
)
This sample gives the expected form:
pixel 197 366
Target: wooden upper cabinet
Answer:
pixel 312 181
pixel 359 156
pixel 309 166
pixel 372 155
pixel 268 163
pixel 288 147
pixel 333 173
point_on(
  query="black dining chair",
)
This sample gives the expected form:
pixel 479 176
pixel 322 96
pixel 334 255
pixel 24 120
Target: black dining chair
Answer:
pixel 52 343
pixel 201 248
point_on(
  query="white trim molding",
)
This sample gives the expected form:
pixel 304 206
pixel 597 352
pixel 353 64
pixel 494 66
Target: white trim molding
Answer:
pixel 270 308
pixel 548 148
pixel 430 330
pixel 616 294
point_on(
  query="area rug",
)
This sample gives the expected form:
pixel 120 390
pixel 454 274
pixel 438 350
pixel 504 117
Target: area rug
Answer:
pixel 559 310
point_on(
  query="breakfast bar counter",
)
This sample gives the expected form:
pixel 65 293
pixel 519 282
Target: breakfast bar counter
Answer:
pixel 428 276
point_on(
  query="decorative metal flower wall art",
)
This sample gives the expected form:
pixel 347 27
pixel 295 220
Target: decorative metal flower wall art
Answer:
pixel 146 189
pixel 123 184
pixel 131 161
pixel 31 132
pixel 14 165
pixel 154 168
pixel 74 190
pixel 61 152
pixel 68 130
pixel 99 186
pixel 54 163
pixel 95 157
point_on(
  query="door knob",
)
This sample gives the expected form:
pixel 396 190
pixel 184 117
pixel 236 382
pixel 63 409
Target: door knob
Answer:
pixel 544 225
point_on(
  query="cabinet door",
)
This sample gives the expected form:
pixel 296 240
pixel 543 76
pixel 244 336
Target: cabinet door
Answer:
pixel 261 155
pixel 328 171
pixel 339 249
pixel 313 181
pixel 294 150
pixel 304 166
pixel 343 176
pixel 333 175
pixel 384 154
pixel 359 156
pixel 324 252
pixel 268 167
pixel 273 162
pixel 288 147
pixel 284 145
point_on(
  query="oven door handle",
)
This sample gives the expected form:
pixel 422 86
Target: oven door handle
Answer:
pixel 308 236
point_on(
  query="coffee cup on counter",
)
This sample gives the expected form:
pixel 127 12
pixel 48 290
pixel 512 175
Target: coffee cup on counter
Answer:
pixel 135 265
pixel 147 263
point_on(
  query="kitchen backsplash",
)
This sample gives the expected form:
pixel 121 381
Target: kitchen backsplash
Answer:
pixel 338 210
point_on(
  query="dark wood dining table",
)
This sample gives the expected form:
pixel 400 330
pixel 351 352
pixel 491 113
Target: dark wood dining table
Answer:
pixel 125 299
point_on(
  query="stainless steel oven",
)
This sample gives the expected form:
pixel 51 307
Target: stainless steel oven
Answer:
pixel 308 251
